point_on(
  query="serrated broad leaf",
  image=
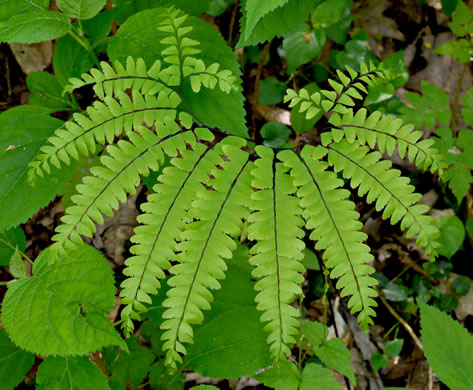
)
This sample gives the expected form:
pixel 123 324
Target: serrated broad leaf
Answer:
pixel 9 8
pixel 288 18
pixel 70 373
pixel 14 361
pixel 335 355
pixel 452 234
pixel 10 240
pixel 62 306
pixel 255 10
pixel 447 347
pixel 282 376
pixel 17 265
pixel 316 377
pixel 209 105
pixel 81 9
pixel 35 26
pixel 127 8
pixel 23 130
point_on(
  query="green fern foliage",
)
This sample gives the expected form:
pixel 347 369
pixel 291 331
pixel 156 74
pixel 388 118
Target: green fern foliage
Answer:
pixel 389 134
pixel 118 175
pixel 104 121
pixel 60 309
pixel 276 226
pixel 385 186
pixel 164 219
pixel 205 244
pixel 215 189
pixel 335 227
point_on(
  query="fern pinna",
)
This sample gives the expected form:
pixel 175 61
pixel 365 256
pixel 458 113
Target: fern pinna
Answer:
pixel 217 184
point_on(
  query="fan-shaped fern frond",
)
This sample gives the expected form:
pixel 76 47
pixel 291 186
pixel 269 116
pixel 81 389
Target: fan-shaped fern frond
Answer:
pixel 165 218
pixel 105 121
pixel 388 133
pixel 336 229
pixel 218 215
pixel 119 173
pixel 276 225
pixel 388 188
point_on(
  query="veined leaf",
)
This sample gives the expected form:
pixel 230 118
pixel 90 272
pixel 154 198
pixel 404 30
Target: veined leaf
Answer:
pixel 279 21
pixel 14 361
pixel 70 373
pixel 447 347
pixel 61 307
pixel 81 9
pixel 35 26
pixel 23 131
pixel 128 8
pixel 9 8
pixel 256 10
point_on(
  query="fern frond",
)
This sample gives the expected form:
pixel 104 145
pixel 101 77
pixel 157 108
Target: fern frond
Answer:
pixel 385 186
pixel 388 133
pixel 336 228
pixel 103 122
pixel 110 81
pixel 276 225
pixel 218 215
pixel 165 218
pixel 119 173
pixel 342 95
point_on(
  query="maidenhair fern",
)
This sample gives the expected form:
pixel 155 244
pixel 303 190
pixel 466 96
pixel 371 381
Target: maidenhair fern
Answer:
pixel 216 186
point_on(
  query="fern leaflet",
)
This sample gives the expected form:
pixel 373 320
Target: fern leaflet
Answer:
pixel 205 243
pixel 276 225
pixel 388 188
pixel 119 173
pixel 335 227
pixel 165 218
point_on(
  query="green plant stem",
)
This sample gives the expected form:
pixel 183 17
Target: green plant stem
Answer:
pixel 3 283
pixel 23 254
pixel 86 45
pixel 401 320
pixel 453 121
pixel 301 334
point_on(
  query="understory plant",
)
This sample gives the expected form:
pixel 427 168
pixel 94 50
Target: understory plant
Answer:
pixel 169 103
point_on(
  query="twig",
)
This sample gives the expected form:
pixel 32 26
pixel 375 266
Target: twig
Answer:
pixel 406 326
pixel 453 121
pixel 254 98
pixel 259 70
pixel 431 379
pixel 232 23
